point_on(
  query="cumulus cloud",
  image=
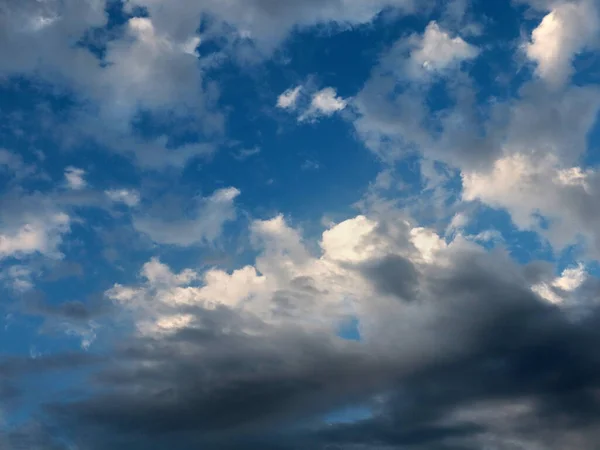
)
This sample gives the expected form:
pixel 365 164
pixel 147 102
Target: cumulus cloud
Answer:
pixel 437 50
pixel 42 234
pixel 324 103
pixel 563 33
pixel 529 187
pixel 75 178
pixel 149 70
pixel 288 99
pixel 393 112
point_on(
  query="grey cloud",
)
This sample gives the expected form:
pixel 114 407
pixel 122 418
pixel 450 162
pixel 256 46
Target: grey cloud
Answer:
pixel 478 335
pixel 20 366
pixel 394 275
pixel 167 223
pixel 76 311
pixel 395 117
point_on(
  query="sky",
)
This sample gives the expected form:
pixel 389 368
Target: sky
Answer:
pixel 299 224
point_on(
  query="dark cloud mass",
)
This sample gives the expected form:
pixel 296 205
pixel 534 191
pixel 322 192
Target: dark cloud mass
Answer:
pixel 492 366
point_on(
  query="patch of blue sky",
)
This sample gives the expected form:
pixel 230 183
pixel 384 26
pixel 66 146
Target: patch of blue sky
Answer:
pixel 350 329
pixel 523 245
pixel 349 414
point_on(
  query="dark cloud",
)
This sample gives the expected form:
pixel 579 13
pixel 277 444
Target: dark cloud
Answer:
pixel 394 275
pixel 477 336
pixel 35 303
pixel 17 366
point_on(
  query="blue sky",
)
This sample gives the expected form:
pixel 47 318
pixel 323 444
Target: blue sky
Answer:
pixel 319 224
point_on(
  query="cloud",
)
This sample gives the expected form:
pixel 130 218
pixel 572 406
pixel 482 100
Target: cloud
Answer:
pixel 18 278
pixel 149 70
pixel 562 195
pixel 563 33
pixel 309 164
pixel 437 50
pixel 246 153
pixel 325 103
pixel 38 36
pixel 267 24
pixel 557 291
pixel 14 165
pixel 395 118
pixel 203 226
pixel 128 197
pixel 75 178
pixel 288 99
pixel 38 235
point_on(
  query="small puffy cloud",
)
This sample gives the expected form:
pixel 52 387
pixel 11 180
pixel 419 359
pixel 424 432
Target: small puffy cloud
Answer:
pixel 438 50
pixel 563 286
pixel 202 226
pixel 289 98
pixel 38 235
pixel 128 197
pixel 563 33
pixel 75 178
pixel 325 102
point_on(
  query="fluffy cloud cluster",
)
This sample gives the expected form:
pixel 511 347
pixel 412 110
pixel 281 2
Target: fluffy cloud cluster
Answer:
pixel 562 34
pixel 322 103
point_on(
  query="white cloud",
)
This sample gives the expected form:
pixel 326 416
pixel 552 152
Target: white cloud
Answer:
pixel 75 178
pixel 562 34
pixel 41 234
pixel 559 290
pixel 128 197
pixel 528 186
pixel 437 50
pixel 203 226
pixel 289 98
pixel 325 102
pixel 285 275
